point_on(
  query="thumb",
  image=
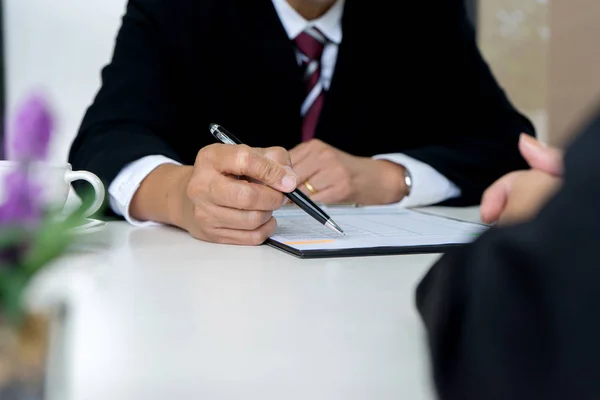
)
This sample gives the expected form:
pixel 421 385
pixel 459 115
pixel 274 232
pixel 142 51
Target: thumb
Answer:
pixel 274 174
pixel 539 156
pixel 282 157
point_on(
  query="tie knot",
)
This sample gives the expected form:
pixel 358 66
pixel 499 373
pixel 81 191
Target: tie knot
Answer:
pixel 311 43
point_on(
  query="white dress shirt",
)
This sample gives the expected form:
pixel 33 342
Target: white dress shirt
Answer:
pixel 428 185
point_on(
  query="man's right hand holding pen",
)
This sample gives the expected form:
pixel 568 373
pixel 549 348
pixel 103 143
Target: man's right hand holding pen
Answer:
pixel 209 200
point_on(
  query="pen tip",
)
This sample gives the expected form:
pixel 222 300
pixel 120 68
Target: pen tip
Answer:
pixel 335 227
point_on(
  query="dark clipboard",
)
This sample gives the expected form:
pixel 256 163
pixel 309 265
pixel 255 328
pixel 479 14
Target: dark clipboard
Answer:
pixel 373 251
pixel 363 251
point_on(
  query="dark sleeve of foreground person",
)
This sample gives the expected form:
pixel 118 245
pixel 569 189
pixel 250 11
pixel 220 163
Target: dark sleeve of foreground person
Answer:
pixel 516 315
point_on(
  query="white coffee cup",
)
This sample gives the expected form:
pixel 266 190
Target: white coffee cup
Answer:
pixel 55 181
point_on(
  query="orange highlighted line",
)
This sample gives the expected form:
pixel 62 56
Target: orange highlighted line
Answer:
pixel 311 241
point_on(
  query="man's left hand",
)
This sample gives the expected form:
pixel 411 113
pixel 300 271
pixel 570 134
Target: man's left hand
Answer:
pixel 329 175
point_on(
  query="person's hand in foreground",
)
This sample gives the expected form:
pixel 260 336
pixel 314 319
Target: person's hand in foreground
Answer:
pixel 228 196
pixel 519 195
pixel 329 175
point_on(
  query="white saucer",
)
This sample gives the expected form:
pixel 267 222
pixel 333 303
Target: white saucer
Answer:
pixel 90 226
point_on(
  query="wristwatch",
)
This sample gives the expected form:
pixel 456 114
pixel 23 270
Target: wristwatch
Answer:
pixel 408 181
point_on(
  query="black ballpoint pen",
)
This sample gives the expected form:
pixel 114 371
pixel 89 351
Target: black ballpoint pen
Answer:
pixel 299 198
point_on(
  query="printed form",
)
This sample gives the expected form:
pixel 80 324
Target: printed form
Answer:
pixel 368 227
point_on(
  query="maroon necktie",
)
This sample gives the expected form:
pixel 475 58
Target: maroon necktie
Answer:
pixel 311 43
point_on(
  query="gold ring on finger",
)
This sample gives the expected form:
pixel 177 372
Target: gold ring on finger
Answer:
pixel 310 187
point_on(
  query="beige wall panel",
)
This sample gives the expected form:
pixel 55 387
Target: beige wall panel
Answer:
pixel 513 37
pixel 574 66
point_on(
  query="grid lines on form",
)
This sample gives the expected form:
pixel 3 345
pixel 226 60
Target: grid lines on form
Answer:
pixel 366 225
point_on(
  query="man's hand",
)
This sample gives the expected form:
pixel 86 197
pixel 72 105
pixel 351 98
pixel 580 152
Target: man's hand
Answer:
pixel 519 195
pixel 228 196
pixel 330 175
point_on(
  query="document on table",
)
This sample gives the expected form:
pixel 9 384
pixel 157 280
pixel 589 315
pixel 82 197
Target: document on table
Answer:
pixel 378 230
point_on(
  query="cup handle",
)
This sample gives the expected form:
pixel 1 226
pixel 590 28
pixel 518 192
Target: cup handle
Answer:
pixel 92 179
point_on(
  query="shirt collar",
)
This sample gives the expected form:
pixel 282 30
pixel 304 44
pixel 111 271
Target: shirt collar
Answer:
pixel 330 23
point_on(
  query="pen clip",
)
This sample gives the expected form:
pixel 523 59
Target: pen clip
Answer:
pixel 223 135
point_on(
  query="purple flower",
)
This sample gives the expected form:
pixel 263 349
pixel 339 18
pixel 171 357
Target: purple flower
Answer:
pixel 31 132
pixel 21 204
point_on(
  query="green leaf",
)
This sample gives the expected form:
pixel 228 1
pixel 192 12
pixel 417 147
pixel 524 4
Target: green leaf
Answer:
pixel 50 240
pixel 53 237
pixel 12 287
pixel 47 242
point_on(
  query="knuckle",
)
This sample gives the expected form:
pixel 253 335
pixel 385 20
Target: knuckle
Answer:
pixel 280 151
pixel 247 196
pixel 328 154
pixel 256 218
pixel 243 158
pixel 207 153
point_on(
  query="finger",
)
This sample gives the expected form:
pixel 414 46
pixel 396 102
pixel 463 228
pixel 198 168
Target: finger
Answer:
pixel 304 189
pixel 329 196
pixel 308 168
pixel 277 154
pixel 232 218
pixel 495 198
pixel 241 160
pixel 303 150
pixel 539 156
pixel 249 238
pixel 297 153
pixel 322 180
pixel 241 194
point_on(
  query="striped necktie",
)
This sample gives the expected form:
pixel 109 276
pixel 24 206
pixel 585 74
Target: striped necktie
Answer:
pixel 311 43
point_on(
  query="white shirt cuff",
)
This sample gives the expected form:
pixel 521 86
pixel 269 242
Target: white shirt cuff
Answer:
pixel 123 187
pixel 428 185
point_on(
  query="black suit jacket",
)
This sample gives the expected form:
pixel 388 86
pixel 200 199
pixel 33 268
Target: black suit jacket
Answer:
pixel 401 84
pixel 516 315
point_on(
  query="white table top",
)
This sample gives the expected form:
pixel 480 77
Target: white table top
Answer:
pixel 157 315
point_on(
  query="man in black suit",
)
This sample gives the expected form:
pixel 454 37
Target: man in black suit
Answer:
pixel 514 315
pixel 366 106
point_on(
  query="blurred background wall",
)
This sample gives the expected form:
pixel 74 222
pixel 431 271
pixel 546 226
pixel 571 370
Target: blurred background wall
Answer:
pixel 514 37
pixel 574 66
pixel 59 46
